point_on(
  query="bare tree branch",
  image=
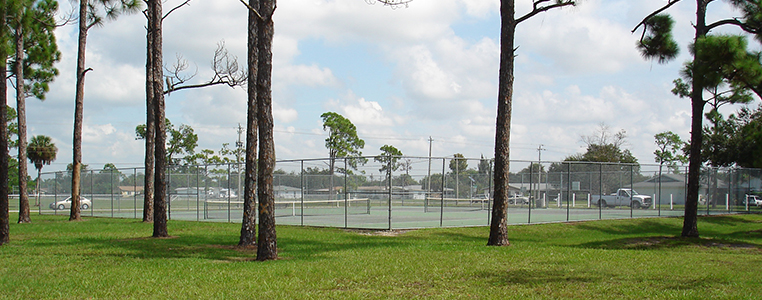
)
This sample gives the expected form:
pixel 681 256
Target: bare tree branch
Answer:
pixel 658 11
pixel 391 3
pixel 254 10
pixel 175 8
pixel 225 67
pixel 734 21
pixel 177 76
pixel 539 6
pixel 69 17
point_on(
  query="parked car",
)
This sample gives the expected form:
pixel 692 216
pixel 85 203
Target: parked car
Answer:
pixel 84 203
pixel 480 198
pixel 519 200
pixel 753 200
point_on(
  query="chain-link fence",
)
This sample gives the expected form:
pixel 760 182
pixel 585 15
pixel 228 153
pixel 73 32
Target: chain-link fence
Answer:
pixel 414 192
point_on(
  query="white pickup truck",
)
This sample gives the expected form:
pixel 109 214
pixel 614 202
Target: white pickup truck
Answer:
pixel 622 197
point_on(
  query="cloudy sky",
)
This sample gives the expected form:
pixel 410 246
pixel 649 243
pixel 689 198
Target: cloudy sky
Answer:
pixel 400 75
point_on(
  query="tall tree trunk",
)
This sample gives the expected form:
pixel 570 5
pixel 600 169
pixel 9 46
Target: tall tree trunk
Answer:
pixel 249 223
pixel 498 233
pixel 160 153
pixel 79 99
pixel 148 189
pixel 690 228
pixel 266 244
pixel 21 114
pixel 4 222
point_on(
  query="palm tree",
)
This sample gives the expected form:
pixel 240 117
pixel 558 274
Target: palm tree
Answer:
pixel 41 151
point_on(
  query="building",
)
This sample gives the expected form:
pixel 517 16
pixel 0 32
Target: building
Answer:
pixel 674 188
pixel 129 190
pixel 287 192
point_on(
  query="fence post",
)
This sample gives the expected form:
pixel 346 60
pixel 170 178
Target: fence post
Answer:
pixel 746 201
pixel 727 202
pixel 301 206
pixel 600 191
pixel 441 202
pixel 346 201
pixel 671 203
pixel 568 188
pixel 198 196
pixel 92 194
pixel 167 192
pixel 135 192
pixel 632 190
pixel 228 194
pixel 206 193
pixel 531 192
pixel 389 176
pixel 55 192
pixel 489 193
pixel 111 184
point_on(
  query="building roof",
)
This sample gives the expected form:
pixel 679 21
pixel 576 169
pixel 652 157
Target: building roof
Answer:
pixel 131 188
pixel 285 188
pixel 675 180
pixel 527 186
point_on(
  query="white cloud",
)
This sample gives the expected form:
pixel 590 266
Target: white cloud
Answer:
pixel 578 41
pixel 345 20
pixel 427 70
pixel 361 112
pixel 118 88
pixel 427 79
pixel 312 76
pixel 480 8
pixel 284 114
pixel 97 133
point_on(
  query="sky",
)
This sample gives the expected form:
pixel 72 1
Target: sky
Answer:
pixel 400 75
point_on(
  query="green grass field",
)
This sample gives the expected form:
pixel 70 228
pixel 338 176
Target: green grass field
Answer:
pixel 103 258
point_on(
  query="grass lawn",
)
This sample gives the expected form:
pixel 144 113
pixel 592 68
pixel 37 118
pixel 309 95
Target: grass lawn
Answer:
pixel 102 258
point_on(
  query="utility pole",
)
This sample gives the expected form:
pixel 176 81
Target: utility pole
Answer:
pixel 238 145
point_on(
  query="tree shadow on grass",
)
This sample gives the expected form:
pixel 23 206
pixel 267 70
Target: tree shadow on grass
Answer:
pixel 726 220
pixel 305 248
pixel 642 227
pixel 217 247
pixel 667 242
pixel 460 236
pixel 658 234
pixel 535 277
pixel 184 246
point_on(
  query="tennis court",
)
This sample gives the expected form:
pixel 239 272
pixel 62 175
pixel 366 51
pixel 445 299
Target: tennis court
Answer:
pixel 433 192
pixel 365 213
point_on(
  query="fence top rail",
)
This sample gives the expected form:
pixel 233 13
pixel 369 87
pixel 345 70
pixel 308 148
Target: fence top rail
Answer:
pixel 325 159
